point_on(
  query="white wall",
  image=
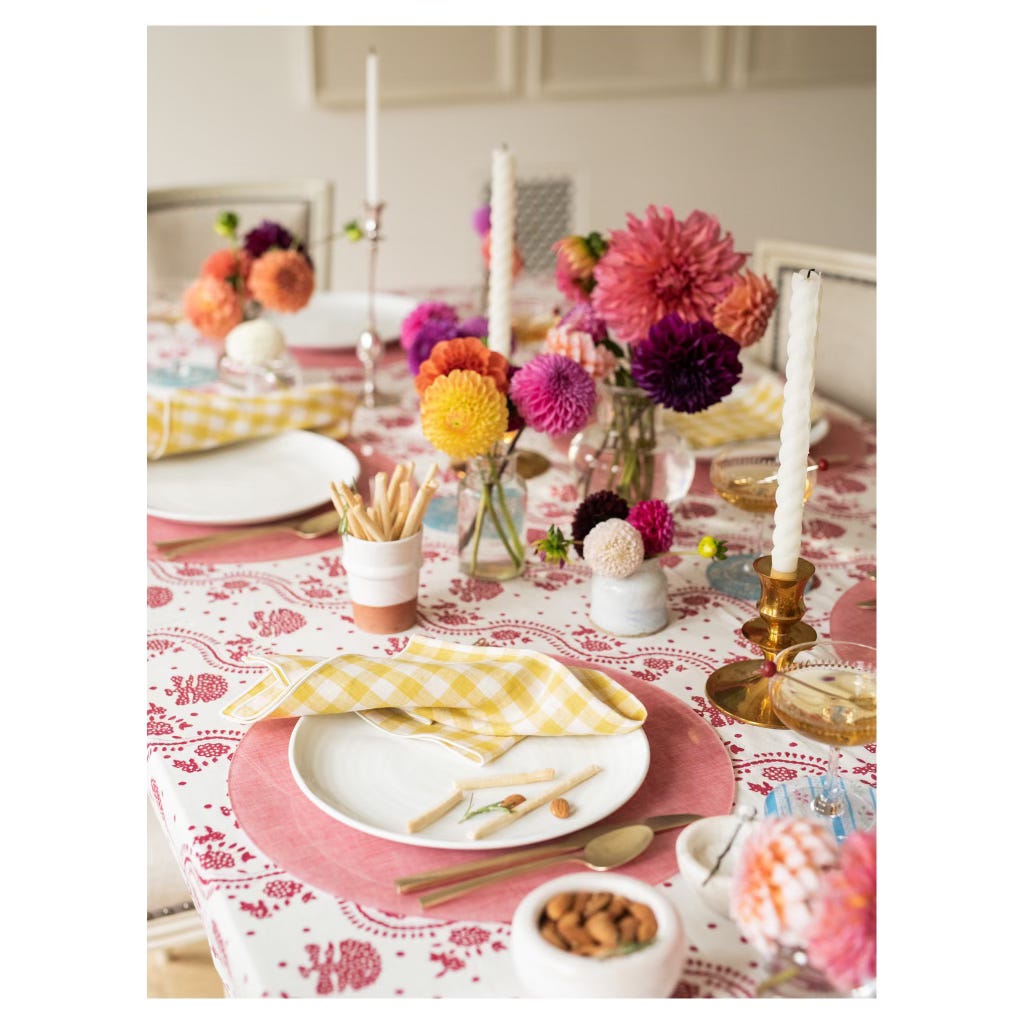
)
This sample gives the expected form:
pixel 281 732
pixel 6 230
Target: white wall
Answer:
pixel 231 104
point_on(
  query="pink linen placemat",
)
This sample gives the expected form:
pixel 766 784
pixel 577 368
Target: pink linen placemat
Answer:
pixel 690 771
pixel 848 622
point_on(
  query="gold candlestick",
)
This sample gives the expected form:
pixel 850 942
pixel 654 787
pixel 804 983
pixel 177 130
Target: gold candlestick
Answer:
pixel 738 688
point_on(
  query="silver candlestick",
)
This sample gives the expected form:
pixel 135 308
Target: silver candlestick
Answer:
pixel 370 345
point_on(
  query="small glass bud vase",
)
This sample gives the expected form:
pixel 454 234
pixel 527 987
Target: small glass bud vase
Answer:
pixel 492 518
pixel 256 361
pixel 634 605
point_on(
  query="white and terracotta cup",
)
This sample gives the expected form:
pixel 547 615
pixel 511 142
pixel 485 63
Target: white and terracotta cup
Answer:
pixel 383 582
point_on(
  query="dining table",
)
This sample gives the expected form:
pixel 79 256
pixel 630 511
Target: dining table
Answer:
pixel 296 904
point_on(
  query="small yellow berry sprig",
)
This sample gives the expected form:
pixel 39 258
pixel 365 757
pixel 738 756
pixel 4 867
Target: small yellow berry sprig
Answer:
pixel 709 547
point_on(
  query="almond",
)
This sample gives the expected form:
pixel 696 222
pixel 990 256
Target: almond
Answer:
pixel 558 905
pixel 618 906
pixel 602 929
pixel 627 925
pixel 647 923
pixel 598 901
pixel 514 800
pixel 559 807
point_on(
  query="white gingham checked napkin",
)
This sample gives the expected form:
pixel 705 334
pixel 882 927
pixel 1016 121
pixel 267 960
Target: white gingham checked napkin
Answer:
pixel 479 701
pixel 187 421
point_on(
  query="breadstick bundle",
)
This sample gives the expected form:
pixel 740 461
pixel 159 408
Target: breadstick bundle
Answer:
pixel 395 512
pixel 381 553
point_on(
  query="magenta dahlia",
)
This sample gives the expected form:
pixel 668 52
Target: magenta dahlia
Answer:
pixel 661 265
pixel 427 312
pixel 553 394
pixel 686 366
pixel 654 521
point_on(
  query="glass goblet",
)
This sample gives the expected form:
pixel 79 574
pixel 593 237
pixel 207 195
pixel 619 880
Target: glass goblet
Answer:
pixel 825 692
pixel 746 476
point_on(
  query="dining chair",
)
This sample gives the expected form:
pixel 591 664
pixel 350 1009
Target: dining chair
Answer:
pixel 845 364
pixel 180 224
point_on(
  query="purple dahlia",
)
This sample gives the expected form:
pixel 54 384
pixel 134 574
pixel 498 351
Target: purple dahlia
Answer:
pixel 686 366
pixel 593 509
pixel 267 235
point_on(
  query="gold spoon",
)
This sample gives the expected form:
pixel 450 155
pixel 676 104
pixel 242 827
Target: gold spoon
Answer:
pixel 606 851
pixel 319 525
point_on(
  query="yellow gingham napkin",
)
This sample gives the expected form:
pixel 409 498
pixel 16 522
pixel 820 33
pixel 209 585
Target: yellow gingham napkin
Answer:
pixel 747 415
pixel 478 701
pixel 187 421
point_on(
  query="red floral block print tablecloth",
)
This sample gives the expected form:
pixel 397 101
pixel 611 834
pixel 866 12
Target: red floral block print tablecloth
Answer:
pixel 272 934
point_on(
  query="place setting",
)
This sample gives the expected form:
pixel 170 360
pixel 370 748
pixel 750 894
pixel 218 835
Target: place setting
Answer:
pixel 512 582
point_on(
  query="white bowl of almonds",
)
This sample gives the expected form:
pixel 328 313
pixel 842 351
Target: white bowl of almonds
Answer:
pixel 590 935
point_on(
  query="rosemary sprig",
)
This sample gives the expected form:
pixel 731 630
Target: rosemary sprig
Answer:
pixel 499 806
pixel 626 948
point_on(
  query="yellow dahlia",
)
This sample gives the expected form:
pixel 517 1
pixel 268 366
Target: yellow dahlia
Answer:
pixel 282 280
pixel 463 414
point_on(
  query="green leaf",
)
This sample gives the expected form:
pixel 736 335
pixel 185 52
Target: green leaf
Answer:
pixel 499 806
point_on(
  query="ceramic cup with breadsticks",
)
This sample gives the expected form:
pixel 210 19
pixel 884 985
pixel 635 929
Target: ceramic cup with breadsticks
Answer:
pixel 381 549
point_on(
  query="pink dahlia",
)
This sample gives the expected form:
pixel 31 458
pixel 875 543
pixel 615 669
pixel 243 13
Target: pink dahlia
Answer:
pixel 576 257
pixel 659 266
pixel 744 313
pixel 212 307
pixel 424 312
pixel 579 346
pixel 654 521
pixel 841 939
pixel 553 394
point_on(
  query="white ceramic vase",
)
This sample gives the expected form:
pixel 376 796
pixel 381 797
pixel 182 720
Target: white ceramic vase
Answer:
pixel 635 605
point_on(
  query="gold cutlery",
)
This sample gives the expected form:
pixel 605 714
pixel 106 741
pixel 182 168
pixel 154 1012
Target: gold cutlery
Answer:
pixel 309 528
pixel 870 605
pixel 604 852
pixel 569 844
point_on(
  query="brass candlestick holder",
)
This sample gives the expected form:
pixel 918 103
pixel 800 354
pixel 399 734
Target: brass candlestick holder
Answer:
pixel 738 688
pixel 370 345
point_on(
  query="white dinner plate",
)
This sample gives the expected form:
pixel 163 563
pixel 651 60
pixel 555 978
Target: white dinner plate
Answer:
pixel 376 782
pixel 819 428
pixel 334 320
pixel 250 482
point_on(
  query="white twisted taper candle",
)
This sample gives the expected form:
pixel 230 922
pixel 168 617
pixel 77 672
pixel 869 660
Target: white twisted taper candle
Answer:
pixel 795 437
pixel 503 219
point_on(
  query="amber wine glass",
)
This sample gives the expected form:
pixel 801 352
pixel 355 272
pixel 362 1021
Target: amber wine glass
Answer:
pixel 746 476
pixel 825 692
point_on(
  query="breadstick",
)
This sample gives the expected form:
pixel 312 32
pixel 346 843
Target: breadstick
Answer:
pixel 494 781
pixel 380 503
pixel 401 472
pixel 429 817
pixel 534 802
pixel 402 504
pixel 361 516
pixel 414 520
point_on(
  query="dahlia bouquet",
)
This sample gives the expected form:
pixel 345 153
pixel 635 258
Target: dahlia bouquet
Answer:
pixel 267 268
pixel 475 406
pixel 660 312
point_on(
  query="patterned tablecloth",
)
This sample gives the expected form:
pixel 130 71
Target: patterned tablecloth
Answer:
pixel 271 934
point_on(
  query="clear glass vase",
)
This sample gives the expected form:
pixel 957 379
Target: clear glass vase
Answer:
pixel 492 518
pixel 631 451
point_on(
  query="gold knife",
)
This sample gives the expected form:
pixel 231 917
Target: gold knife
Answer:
pixel 576 841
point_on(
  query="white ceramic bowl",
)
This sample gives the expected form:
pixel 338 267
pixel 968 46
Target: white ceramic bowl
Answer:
pixel 549 972
pixel 697 849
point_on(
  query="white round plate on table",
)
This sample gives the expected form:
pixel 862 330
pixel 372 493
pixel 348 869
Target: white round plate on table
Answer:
pixel 376 782
pixel 256 481
pixel 334 320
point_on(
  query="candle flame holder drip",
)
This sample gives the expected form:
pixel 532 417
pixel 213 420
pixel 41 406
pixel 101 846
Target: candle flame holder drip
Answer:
pixel 370 345
pixel 739 689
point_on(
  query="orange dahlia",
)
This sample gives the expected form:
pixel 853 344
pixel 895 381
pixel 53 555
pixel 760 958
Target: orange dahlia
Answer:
pixel 744 313
pixel 463 414
pixel 212 307
pixel 463 354
pixel 282 280
pixel 226 264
